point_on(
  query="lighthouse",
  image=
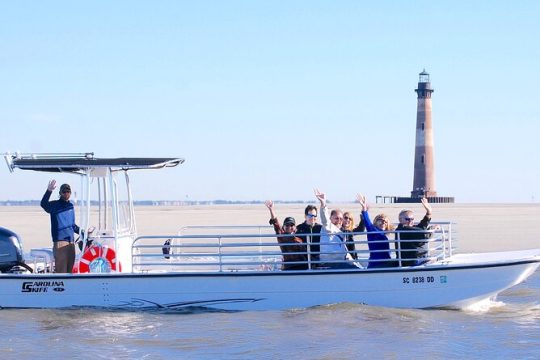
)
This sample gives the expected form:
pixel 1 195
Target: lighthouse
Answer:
pixel 424 162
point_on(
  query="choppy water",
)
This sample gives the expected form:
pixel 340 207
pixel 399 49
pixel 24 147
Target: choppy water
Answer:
pixel 507 328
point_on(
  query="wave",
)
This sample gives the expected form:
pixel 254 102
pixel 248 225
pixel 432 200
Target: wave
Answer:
pixel 484 306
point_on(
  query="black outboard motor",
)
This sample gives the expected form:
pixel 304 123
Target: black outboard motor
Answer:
pixel 11 252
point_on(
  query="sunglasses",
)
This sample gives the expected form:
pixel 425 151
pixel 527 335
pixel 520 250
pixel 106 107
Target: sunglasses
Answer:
pixel 408 219
pixel 311 216
pixel 347 218
pixel 66 191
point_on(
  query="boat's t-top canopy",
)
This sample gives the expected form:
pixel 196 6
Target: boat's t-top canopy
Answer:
pixel 104 198
pixel 83 163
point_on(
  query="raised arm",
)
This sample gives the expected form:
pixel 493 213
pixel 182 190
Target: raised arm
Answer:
pixel 365 216
pixel 273 219
pixel 426 206
pixel 270 205
pixel 324 210
pixel 362 200
pixel 45 199
pixel 321 197
pixel 52 185
pixel 424 223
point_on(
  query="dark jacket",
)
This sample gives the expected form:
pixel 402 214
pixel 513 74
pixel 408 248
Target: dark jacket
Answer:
pixel 305 228
pixel 62 214
pixel 414 249
pixel 286 250
pixel 349 242
pixel 349 239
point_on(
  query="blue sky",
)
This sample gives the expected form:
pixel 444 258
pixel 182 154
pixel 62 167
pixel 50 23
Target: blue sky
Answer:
pixel 269 99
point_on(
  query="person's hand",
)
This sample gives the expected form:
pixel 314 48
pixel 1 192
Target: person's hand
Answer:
pixel 426 206
pixel 321 196
pixel 52 185
pixel 269 204
pixel 362 200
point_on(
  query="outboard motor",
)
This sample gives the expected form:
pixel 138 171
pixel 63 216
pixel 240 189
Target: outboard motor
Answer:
pixel 11 253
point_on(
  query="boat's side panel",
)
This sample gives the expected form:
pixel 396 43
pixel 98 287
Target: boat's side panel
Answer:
pixel 53 291
pixel 433 287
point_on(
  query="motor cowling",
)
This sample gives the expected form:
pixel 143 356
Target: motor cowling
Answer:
pixel 11 252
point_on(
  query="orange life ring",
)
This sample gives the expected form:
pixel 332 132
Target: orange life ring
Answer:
pixel 95 252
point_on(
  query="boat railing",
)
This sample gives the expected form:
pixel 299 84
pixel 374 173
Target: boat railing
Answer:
pixel 238 229
pixel 225 252
pixel 43 260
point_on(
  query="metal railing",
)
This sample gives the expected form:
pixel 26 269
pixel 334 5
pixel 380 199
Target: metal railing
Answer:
pixel 229 252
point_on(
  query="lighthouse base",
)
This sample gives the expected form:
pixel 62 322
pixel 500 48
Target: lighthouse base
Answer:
pixel 386 199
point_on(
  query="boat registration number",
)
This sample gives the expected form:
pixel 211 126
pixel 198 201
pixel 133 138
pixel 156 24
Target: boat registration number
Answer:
pixel 423 279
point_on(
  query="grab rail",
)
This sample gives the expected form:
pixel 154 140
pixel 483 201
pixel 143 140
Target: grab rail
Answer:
pixel 261 252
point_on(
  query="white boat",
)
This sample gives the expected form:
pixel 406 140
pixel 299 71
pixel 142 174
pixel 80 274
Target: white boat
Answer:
pixel 224 268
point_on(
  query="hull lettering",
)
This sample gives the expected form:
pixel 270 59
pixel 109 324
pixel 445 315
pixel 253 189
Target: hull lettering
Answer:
pixel 42 286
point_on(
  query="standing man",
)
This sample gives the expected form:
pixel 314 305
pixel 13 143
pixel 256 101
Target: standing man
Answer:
pixel 63 226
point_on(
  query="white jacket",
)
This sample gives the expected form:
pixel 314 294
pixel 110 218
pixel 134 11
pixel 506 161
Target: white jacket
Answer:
pixel 332 245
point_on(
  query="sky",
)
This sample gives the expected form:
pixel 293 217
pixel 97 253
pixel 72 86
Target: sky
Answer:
pixel 271 99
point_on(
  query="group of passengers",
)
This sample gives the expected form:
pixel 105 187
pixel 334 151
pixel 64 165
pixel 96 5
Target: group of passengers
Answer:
pixel 331 245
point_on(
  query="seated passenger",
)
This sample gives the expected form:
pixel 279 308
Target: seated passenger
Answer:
pixel 334 253
pixel 348 227
pixel 295 254
pixel 311 227
pixel 379 247
pixel 413 251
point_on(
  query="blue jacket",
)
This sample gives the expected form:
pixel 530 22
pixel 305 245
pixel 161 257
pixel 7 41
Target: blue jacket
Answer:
pixel 62 214
pixel 379 247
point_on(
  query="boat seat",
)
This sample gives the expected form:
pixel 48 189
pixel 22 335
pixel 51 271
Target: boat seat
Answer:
pixel 44 256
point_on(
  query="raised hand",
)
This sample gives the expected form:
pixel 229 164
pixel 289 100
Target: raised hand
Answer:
pixel 52 185
pixel 270 205
pixel 362 200
pixel 321 196
pixel 426 205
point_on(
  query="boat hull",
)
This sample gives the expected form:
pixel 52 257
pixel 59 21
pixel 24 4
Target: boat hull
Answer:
pixel 448 286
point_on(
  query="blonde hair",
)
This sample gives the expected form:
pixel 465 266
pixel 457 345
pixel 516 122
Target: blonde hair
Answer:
pixel 351 222
pixel 389 225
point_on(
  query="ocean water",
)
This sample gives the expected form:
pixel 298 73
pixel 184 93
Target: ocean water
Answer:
pixel 508 328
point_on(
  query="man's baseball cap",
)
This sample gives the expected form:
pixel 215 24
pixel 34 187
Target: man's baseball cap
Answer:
pixel 64 188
